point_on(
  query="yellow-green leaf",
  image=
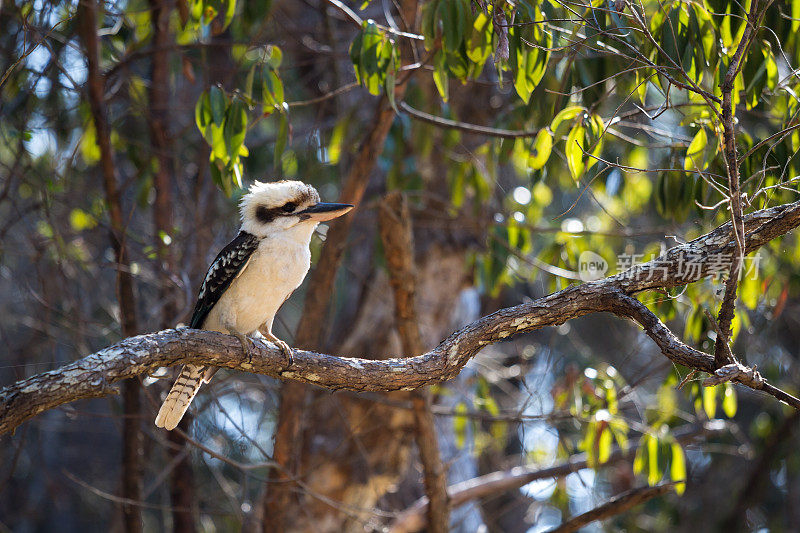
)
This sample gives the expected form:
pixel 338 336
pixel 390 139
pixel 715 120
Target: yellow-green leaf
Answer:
pixel 440 77
pixel 677 469
pixel 695 159
pixel 604 445
pixel 710 401
pixel 653 472
pixel 460 425
pixel 81 220
pixel 574 150
pixel 563 116
pixel 541 149
pixel 729 400
pixel 89 149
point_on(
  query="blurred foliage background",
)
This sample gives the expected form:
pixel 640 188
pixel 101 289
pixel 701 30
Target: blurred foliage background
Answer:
pixel 523 134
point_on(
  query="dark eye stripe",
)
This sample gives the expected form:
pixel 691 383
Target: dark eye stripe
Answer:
pixel 265 215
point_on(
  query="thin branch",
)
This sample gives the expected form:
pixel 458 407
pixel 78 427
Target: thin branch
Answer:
pixel 463 126
pixel 616 505
pixel 728 306
pixel 413 518
pixel 358 21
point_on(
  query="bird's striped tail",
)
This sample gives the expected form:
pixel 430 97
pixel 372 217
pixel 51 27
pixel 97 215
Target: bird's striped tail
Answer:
pixel 182 394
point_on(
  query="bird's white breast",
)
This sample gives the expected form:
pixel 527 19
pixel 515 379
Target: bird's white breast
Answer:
pixel 274 271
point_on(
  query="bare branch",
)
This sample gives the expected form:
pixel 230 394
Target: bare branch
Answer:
pixel 616 505
pixel 413 518
pixel 464 126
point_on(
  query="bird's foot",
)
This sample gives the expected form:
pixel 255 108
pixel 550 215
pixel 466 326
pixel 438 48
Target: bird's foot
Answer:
pixel 245 345
pixel 284 347
pixel 287 350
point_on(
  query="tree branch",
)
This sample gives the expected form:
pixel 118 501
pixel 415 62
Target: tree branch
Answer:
pixel 728 307
pixel 616 505
pixel 87 15
pixel 94 375
pixel 413 518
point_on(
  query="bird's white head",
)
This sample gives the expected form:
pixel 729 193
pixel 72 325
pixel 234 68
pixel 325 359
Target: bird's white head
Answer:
pixel 281 206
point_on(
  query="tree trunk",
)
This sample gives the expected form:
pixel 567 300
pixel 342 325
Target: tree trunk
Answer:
pixel 131 433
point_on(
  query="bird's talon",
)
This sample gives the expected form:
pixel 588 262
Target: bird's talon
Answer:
pixel 285 349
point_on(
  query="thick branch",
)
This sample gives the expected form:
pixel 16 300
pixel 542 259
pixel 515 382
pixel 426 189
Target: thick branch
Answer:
pixel 93 375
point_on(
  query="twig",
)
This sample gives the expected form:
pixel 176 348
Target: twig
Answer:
pixel 463 126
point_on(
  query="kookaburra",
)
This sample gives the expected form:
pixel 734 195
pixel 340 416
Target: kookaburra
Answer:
pixel 253 275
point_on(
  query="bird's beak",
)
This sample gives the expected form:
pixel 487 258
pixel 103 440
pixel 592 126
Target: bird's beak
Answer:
pixel 324 211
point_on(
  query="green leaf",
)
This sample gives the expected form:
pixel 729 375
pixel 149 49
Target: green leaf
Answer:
pixel 604 445
pixel 440 77
pixel 235 127
pixel 729 400
pixel 218 147
pixel 81 220
pixel 90 151
pixel 355 55
pixel 274 56
pixel 695 159
pixel 596 139
pixel 452 15
pixel 521 79
pixel 677 469
pixel 371 55
pixel 620 430
pixel 271 90
pixel 202 115
pixel 653 471
pixel 460 425
pixel 559 125
pixel 218 104
pixel 667 402
pixel 479 41
pixel 248 82
pixel 574 151
pixel 541 149
pixel 230 9
pixel 639 457
pixel 710 401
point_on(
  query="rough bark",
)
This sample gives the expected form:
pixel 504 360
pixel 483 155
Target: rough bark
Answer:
pixel 94 375
pixel 131 434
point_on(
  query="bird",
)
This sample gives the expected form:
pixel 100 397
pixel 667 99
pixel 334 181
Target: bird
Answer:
pixel 253 276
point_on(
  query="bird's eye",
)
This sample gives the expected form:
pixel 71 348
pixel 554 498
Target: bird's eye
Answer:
pixel 288 207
